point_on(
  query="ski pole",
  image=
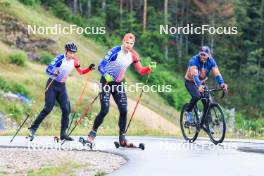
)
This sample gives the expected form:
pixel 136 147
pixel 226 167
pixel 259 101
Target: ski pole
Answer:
pixel 91 67
pixel 33 108
pixel 78 103
pixel 85 112
pixel 139 99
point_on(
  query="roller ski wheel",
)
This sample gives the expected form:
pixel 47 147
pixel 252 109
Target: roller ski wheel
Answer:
pixel 85 142
pixel 30 137
pixel 56 139
pixel 141 146
pixel 116 144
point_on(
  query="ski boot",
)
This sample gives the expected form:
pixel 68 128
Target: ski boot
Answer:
pixel 65 137
pixel 31 135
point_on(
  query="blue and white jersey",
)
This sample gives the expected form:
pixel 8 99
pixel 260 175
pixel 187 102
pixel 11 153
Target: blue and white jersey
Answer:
pixel 116 62
pixel 61 64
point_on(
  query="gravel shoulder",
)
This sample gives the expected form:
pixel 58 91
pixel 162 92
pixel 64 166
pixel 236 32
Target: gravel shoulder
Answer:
pixel 19 161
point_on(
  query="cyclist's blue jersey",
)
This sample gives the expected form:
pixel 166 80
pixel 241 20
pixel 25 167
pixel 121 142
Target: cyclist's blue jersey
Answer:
pixel 203 68
pixel 116 62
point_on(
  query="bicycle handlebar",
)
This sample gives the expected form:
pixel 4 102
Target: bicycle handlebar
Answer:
pixel 216 90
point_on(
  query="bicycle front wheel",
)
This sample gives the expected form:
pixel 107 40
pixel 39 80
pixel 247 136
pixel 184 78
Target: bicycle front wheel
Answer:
pixel 189 130
pixel 216 124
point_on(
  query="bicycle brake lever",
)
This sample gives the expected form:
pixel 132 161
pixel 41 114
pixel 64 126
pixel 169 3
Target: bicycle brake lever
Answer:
pixel 223 94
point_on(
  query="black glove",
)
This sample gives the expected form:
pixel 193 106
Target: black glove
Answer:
pixel 92 67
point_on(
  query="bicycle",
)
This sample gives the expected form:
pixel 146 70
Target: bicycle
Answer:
pixel 212 122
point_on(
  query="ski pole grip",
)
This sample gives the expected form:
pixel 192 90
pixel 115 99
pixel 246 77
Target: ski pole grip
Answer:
pixel 153 64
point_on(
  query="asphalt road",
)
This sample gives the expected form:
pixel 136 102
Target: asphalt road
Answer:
pixel 169 156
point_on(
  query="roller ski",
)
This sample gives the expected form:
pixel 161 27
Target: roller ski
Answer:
pixel 89 141
pixel 86 142
pixel 56 139
pixel 63 138
pixel 31 135
pixel 125 144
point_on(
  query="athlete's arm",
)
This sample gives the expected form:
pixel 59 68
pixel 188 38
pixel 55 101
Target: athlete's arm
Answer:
pixel 138 66
pixel 110 56
pixel 219 78
pixel 101 67
pixel 52 68
pixel 140 69
pixel 79 69
pixel 216 73
pixel 193 71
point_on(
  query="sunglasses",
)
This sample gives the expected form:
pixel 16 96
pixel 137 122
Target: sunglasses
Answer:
pixel 202 54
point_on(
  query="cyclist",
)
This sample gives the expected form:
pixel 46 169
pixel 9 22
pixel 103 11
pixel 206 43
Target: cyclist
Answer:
pixel 197 73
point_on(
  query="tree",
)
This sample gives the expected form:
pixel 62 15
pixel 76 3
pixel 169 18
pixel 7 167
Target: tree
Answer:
pixel 165 23
pixel 145 15
pixel 74 6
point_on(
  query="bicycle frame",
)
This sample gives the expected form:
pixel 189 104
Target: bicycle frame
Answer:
pixel 205 120
pixel 209 100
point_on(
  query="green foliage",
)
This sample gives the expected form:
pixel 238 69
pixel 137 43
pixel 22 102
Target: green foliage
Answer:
pixel 150 48
pixel 178 96
pixel 61 10
pixel 28 2
pixel 100 174
pixel 13 87
pixel 19 88
pixel 249 127
pixel 67 168
pixel 4 85
pixel 4 4
pixel 15 111
pixel 98 22
pixel 45 58
pixel 18 58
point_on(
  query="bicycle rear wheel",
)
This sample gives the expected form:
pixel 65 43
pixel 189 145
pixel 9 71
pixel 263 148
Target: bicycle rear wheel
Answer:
pixel 189 131
pixel 215 124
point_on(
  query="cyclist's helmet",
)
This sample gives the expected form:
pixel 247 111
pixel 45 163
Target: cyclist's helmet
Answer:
pixel 70 46
pixel 205 50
